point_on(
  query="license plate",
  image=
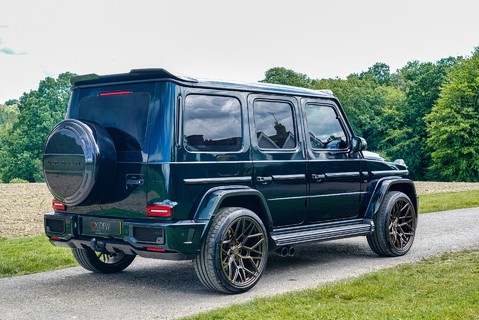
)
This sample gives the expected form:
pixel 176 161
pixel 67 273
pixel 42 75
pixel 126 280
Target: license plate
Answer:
pixel 103 227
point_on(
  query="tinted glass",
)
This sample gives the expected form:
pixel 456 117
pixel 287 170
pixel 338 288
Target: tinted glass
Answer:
pixel 325 130
pixel 123 115
pixel 274 125
pixel 212 123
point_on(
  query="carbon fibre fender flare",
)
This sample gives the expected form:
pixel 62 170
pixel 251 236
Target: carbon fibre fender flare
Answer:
pixel 213 199
pixel 382 186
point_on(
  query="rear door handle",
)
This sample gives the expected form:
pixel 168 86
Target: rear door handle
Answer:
pixel 318 177
pixel 264 180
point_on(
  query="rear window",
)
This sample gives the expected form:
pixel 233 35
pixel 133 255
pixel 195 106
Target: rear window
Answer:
pixel 123 114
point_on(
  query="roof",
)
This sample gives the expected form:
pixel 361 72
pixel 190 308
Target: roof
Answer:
pixel 162 74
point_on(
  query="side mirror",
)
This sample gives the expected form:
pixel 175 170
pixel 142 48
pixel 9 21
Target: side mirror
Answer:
pixel 358 144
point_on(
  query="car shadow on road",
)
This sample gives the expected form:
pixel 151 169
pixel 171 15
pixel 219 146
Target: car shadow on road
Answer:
pixel 177 277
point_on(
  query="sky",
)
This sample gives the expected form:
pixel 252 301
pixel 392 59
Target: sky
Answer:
pixel 221 39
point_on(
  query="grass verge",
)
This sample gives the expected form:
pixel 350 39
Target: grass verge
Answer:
pixel 444 287
pixel 448 201
pixel 33 254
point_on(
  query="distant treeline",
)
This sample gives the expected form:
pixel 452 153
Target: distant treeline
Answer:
pixel 425 113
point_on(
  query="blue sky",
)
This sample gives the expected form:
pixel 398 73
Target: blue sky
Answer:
pixel 237 40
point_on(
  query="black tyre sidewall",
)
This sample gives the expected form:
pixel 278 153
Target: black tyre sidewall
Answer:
pixel 380 238
pixel 208 262
pixel 88 259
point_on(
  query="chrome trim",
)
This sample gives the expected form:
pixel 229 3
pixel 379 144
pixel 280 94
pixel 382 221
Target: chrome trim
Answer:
pixel 390 172
pixel 342 174
pixel 337 194
pixel 287 177
pixel 288 198
pixel 217 180
pixel 207 162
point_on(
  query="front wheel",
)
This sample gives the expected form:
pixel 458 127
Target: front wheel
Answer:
pixel 234 253
pixel 395 226
pixel 102 262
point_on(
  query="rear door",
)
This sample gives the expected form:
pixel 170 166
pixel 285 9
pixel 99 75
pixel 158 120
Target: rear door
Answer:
pixel 334 173
pixel 278 156
pixel 123 110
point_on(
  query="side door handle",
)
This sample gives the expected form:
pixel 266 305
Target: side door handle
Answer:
pixel 318 176
pixel 264 180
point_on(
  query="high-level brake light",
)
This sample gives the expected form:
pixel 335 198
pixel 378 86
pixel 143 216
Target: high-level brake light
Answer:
pixel 114 93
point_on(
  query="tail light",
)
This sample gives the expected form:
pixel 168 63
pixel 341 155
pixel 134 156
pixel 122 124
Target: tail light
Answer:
pixel 57 205
pixel 163 211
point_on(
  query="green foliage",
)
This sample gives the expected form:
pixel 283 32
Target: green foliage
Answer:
pixel 8 115
pixel 406 136
pixel 444 287
pixel 453 125
pixel 22 143
pixel 287 77
pixel 17 180
pixel 367 104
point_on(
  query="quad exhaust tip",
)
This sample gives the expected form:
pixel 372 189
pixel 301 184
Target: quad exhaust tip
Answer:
pixel 286 251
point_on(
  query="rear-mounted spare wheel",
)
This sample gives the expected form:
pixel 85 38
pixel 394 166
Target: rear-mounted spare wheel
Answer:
pixel 79 162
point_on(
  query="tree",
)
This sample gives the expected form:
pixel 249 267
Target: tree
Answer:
pixel 366 103
pixel 379 72
pixel 279 75
pixel 406 137
pixel 8 115
pixel 39 111
pixel 453 124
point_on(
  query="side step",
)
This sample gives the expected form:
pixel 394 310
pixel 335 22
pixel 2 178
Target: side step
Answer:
pixel 322 231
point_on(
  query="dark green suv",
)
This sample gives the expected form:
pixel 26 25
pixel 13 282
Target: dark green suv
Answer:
pixel 153 164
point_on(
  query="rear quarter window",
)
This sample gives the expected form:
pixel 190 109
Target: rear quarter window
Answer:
pixel 212 123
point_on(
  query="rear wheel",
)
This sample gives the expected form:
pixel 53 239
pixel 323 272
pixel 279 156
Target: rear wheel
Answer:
pixel 102 262
pixel 234 253
pixel 395 226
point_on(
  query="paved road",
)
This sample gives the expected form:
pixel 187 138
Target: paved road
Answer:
pixel 154 289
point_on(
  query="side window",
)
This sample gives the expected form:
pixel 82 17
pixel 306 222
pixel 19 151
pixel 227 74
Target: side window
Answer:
pixel 274 125
pixel 325 130
pixel 212 123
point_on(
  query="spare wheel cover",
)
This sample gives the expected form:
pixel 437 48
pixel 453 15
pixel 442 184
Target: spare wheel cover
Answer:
pixel 74 153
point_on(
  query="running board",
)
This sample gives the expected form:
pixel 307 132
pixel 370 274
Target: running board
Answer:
pixel 323 231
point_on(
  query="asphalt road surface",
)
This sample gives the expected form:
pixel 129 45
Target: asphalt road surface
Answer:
pixel 155 289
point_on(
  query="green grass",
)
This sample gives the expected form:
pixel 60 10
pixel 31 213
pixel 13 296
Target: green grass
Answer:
pixel 448 201
pixel 445 287
pixel 30 255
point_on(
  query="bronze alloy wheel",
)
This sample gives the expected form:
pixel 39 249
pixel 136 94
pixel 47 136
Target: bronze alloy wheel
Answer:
pixel 110 258
pixel 242 251
pixel 402 225
pixel 395 226
pixel 234 253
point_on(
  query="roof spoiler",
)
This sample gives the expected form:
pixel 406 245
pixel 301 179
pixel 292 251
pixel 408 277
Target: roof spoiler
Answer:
pixel 134 74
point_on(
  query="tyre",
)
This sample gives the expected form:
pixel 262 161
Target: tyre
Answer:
pixel 395 226
pixel 79 162
pixel 234 253
pixel 102 262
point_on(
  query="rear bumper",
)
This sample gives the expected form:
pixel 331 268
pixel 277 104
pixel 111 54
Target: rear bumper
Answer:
pixel 175 240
